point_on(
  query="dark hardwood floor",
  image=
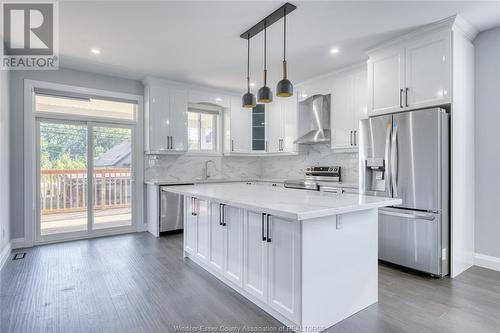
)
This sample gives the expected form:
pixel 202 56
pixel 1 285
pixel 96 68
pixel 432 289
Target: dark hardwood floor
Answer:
pixel 137 283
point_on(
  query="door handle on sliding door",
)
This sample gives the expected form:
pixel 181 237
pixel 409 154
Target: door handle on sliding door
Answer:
pixel 394 160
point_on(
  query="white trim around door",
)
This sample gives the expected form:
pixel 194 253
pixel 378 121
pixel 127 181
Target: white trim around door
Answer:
pixel 30 159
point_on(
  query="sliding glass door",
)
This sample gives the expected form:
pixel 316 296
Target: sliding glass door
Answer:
pixel 85 177
pixel 63 176
pixel 112 176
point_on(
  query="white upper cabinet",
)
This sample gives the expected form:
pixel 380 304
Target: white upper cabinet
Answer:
pixel 178 119
pixel 428 71
pixel 411 74
pixel 342 117
pixel 274 126
pixel 282 125
pixel 165 117
pixel 237 128
pixel 289 124
pixel 349 106
pixel 386 79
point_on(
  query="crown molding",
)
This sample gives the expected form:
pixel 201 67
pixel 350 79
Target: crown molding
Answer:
pixel 452 23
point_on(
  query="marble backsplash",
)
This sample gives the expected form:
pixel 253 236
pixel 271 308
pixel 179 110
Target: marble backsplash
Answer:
pixel 188 167
pixel 291 167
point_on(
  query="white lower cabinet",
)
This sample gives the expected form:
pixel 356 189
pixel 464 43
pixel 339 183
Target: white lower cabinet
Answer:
pixel 233 246
pixel 255 256
pixel 284 267
pixel 254 252
pixel 203 245
pixel 216 254
pixel 190 226
pixel 272 262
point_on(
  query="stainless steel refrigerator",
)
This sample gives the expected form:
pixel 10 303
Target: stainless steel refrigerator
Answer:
pixel 406 155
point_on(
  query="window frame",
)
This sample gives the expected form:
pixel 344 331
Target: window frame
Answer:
pixel 216 111
pixel 29 145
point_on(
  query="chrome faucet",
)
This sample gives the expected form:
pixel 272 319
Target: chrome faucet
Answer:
pixel 205 172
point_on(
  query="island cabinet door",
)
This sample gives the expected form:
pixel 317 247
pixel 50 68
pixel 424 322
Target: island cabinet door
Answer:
pixel 216 254
pixel 233 245
pixel 284 267
pixel 202 213
pixel 190 226
pixel 255 256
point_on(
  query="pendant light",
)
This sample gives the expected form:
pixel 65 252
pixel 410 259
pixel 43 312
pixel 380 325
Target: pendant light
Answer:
pixel 248 98
pixel 265 94
pixel 284 87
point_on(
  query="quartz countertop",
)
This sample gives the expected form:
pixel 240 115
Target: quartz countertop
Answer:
pixel 284 202
pixel 210 180
pixel 161 182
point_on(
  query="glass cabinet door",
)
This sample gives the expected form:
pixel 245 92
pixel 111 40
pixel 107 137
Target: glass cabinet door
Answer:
pixel 259 128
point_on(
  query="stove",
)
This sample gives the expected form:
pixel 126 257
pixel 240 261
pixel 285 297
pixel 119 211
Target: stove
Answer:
pixel 313 176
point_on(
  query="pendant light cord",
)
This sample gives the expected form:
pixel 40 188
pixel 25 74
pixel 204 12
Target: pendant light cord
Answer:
pixel 265 53
pixel 248 64
pixel 284 34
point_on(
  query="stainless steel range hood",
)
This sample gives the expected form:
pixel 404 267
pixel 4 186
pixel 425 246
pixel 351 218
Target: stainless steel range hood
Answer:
pixel 314 120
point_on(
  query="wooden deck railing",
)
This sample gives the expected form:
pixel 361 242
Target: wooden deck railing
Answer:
pixel 67 190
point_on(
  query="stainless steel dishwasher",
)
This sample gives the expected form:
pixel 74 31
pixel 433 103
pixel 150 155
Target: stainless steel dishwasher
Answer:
pixel 171 209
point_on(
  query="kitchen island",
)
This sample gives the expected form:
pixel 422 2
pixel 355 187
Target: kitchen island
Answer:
pixel 307 258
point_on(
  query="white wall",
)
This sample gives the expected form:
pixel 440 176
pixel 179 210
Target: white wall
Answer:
pixel 62 76
pixel 4 160
pixel 487 122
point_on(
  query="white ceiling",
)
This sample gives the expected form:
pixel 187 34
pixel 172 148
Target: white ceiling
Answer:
pixel 198 42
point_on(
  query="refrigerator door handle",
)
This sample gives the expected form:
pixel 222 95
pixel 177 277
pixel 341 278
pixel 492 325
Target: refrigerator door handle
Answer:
pixel 408 215
pixel 394 160
pixel 387 153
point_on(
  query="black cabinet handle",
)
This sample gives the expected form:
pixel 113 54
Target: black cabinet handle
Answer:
pixel 263 221
pixel 232 145
pixel 268 229
pixel 355 138
pixel 401 98
pixel 220 214
pixel 224 215
pixel 406 96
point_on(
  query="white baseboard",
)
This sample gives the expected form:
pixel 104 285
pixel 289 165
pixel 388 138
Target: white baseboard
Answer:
pixel 19 243
pixel 5 254
pixel 482 260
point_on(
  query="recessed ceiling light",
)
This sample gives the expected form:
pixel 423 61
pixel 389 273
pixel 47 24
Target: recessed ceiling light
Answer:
pixel 95 51
pixel 252 84
pixel 218 99
pixel 335 50
pixel 304 95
